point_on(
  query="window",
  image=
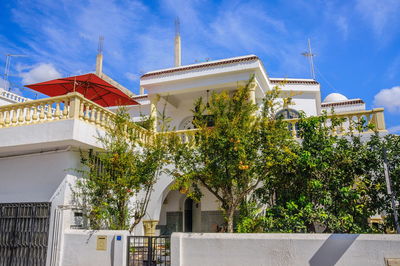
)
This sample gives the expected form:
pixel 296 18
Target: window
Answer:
pixel 287 114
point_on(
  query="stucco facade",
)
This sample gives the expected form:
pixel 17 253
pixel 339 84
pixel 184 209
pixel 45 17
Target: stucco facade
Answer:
pixel 38 155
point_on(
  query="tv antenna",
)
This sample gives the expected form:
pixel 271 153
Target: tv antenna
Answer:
pixel 309 54
pixel 177 27
pixel 7 68
pixel 101 44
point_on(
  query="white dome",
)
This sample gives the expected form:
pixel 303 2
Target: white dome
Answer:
pixel 335 97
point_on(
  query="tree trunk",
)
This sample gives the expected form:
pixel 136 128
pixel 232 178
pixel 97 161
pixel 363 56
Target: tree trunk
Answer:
pixel 231 213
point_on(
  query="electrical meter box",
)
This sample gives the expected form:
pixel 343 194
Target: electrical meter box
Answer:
pixel 101 243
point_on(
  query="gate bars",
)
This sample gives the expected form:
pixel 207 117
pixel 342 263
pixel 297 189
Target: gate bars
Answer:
pixel 24 229
pixel 149 251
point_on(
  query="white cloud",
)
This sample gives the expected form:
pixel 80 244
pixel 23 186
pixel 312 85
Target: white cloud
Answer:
pixel 383 16
pixel 132 76
pixel 343 25
pixel 389 98
pixel 39 73
pixel 394 129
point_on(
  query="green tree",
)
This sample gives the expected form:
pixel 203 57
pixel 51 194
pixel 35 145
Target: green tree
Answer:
pixel 116 182
pixel 233 149
pixel 375 171
pixel 326 187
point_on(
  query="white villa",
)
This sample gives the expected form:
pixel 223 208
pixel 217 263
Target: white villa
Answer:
pixel 39 146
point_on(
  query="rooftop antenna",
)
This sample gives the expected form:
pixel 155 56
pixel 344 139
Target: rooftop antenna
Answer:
pixel 101 44
pixel 99 57
pixel 177 46
pixel 7 69
pixel 310 57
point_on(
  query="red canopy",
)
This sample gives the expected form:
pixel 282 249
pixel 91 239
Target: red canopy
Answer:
pixel 90 85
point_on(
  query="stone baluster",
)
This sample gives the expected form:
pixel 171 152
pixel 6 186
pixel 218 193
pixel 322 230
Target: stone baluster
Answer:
pixel 93 114
pixel 21 115
pixel 98 117
pixel 49 111
pixel 41 115
pixel 294 133
pixel 1 119
pixel 81 111
pixel 35 113
pixel 86 108
pixel 14 116
pixel 7 121
pixel 65 110
pixel 103 119
pixel 28 114
pixel 349 123
pixel 341 128
pixel 105 123
pixel 57 113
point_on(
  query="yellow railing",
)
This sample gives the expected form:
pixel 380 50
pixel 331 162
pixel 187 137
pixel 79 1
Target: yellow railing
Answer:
pixel 70 106
pixel 349 121
pixel 75 106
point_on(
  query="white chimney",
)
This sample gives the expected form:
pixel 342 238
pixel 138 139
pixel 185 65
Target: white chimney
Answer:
pixel 99 57
pixel 177 46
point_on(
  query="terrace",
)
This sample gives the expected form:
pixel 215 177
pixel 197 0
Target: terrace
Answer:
pixel 48 113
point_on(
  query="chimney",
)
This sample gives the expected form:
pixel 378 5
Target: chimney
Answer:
pixel 99 57
pixel 177 57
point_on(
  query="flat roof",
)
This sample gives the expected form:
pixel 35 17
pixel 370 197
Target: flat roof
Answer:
pixel 202 65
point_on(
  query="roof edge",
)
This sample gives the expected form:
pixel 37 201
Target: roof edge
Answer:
pixel 201 65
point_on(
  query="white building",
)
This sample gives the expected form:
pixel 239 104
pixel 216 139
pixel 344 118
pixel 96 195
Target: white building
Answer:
pixel 39 149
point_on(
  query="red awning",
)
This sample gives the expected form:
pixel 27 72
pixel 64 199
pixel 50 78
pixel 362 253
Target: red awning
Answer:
pixel 90 86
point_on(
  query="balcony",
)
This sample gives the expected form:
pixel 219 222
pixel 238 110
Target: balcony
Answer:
pixel 72 117
pixel 55 122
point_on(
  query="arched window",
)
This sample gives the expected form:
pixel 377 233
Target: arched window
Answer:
pixel 287 114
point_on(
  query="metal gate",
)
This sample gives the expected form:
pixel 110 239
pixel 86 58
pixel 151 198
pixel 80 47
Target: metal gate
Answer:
pixel 24 229
pixel 149 250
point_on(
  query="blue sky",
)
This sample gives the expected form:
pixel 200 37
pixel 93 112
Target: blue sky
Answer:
pixel 356 42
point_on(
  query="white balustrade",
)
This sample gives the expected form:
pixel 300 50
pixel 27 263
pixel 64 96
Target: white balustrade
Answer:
pixel 13 97
pixel 350 122
pixel 75 106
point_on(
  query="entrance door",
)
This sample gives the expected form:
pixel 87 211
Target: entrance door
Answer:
pixel 188 215
pixel 24 229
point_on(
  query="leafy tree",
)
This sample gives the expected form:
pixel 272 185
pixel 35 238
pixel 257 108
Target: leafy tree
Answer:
pixel 375 172
pixel 232 155
pixel 116 182
pixel 325 186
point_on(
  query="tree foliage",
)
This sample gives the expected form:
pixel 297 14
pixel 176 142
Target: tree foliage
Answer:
pixel 332 184
pixel 232 157
pixel 116 182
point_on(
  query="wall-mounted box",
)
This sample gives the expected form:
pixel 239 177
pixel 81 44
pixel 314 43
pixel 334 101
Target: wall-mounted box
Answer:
pixel 101 243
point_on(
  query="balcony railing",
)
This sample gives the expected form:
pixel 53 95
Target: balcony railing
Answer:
pixel 356 122
pixel 75 106
pixel 70 106
pixel 13 97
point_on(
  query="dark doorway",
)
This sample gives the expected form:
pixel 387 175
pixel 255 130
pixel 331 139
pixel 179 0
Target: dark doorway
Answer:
pixel 188 215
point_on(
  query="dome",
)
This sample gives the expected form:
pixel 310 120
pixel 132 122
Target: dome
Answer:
pixel 335 97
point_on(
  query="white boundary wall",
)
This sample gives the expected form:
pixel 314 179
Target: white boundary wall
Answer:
pixel 80 248
pixel 283 249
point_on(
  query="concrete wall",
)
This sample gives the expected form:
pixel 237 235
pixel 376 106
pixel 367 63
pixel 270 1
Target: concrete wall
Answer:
pixel 283 249
pixel 35 177
pixel 80 248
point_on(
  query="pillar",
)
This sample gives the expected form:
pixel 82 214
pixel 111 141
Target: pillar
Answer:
pixel 153 112
pixel 252 92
